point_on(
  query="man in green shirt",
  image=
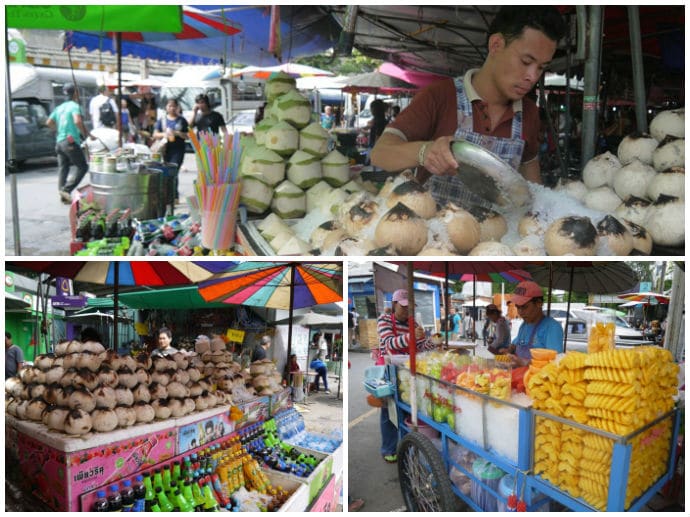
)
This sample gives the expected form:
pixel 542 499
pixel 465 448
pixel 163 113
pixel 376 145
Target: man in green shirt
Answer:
pixel 67 120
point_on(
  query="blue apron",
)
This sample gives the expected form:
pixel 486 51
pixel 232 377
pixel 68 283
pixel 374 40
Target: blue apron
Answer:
pixel 522 349
pixel 451 188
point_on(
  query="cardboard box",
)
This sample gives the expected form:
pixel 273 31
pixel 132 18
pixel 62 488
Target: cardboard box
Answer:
pixel 368 335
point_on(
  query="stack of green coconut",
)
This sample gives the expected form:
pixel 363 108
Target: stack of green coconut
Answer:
pixel 286 167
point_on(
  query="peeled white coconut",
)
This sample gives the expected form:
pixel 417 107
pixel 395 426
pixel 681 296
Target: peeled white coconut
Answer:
pixel 289 201
pixel 313 139
pixel 332 201
pixel 575 189
pixel 671 183
pixel 255 194
pixel 415 197
pixel 353 247
pixel 295 246
pixel 633 209
pixel 492 225
pixel 331 241
pixel 668 123
pixel 282 138
pixel 322 232
pixel 281 240
pixel 262 161
pixel 532 224
pixel 637 146
pixel 294 108
pixel 633 179
pixel 316 193
pixel 278 84
pixel 463 229
pixel 353 186
pixel 336 168
pixel 271 226
pixel 669 154
pixel 304 169
pixel 614 237
pixel 642 241
pixel 665 221
pixel 403 229
pixel 490 248
pixel 262 127
pixel 599 170
pixel 530 245
pixel 104 420
pixel 603 199
pixel 436 250
pixel 359 214
pixel 571 236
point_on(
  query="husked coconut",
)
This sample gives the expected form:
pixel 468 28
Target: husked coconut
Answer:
pixel 158 391
pixel 669 154
pixel 415 197
pixel 633 209
pixel 21 409
pixel 313 139
pixel 294 108
pixel 54 418
pixel 93 347
pixel 316 194
pixel 642 241
pixel 670 182
pixel 599 170
pixel 614 237
pixel 124 396
pixel 336 168
pixel 144 360
pixel 531 224
pixel 304 169
pixel 34 410
pixel 353 246
pixel 294 246
pixel 279 83
pixel 74 347
pixel 31 375
pixel 463 229
pixel 282 138
pixel 141 393
pixel 668 123
pixel 126 416
pixel 54 374
pixel 105 397
pixel 37 391
pixel 107 376
pixel 177 408
pixel 127 378
pixel 603 199
pixel 14 386
pixel 82 398
pixel 665 221
pixel 530 245
pixel 161 409
pixel 403 229
pixel 492 225
pixel 384 251
pixel 289 201
pixel 78 422
pixel 321 233
pixel 51 395
pixel 637 146
pixel 43 362
pixel 145 412
pixel 360 215
pixel 491 248
pixel 61 348
pixel 86 379
pixel 256 194
pixel 104 420
pixel 571 236
pixel 575 189
pixel 633 179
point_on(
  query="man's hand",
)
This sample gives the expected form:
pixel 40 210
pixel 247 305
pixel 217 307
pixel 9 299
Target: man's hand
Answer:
pixel 419 333
pixel 438 158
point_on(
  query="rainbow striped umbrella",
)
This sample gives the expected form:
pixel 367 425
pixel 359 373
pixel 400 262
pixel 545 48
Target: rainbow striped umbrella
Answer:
pixel 513 276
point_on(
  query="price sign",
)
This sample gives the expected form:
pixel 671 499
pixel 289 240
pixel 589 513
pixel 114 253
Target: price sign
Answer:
pixel 235 335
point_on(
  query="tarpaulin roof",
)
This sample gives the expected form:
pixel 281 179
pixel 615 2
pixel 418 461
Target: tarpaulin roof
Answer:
pixel 304 31
pixel 174 298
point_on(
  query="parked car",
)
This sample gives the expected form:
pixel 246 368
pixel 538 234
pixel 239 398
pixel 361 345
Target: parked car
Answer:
pixel 33 139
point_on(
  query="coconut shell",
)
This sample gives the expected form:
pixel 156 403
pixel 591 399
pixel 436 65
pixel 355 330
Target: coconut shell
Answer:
pixel 571 236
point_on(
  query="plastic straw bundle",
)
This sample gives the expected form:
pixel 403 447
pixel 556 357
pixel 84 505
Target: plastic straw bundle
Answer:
pixel 217 187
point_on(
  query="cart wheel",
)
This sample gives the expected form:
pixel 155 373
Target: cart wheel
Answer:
pixel 424 481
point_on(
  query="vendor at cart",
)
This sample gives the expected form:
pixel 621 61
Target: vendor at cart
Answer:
pixel 488 106
pixel 164 343
pixel 499 342
pixel 394 339
pixel 537 330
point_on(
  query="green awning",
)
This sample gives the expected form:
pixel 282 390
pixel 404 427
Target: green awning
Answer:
pixel 176 298
pixel 121 18
pixel 102 303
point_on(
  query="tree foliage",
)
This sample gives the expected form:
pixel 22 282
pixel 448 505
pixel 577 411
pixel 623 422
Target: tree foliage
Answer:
pixel 355 64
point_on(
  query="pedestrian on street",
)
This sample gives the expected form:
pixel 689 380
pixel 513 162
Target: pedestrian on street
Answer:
pixel 323 346
pixel 103 109
pixel 321 373
pixel 14 357
pixel 68 121
pixel 205 119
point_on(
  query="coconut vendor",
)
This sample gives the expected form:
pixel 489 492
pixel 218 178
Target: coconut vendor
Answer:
pixel 537 330
pixel 259 351
pixel 164 343
pixel 487 106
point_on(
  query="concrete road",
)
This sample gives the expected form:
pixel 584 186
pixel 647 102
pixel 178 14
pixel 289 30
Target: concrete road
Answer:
pixel 369 477
pixel 43 219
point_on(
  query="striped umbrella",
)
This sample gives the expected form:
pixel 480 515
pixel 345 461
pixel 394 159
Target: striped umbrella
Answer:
pixel 277 285
pixel 647 298
pixel 513 276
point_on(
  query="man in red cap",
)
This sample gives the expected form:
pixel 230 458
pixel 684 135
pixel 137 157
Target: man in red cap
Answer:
pixel 500 340
pixel 537 330
pixel 394 339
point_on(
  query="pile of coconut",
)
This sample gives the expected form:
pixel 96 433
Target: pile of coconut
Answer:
pixel 643 187
pixel 286 167
pixel 265 378
pixel 83 388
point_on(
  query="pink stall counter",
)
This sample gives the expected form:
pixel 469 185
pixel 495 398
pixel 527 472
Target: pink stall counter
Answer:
pixel 57 468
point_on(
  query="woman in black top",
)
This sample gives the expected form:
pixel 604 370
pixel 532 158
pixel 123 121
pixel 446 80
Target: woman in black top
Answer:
pixel 378 110
pixel 173 127
pixel 205 119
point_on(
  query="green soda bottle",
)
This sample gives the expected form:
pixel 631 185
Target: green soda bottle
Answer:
pixel 176 472
pixel 182 504
pixel 155 508
pixel 171 495
pixel 210 502
pixel 163 501
pixel 157 479
pixel 197 495
pixel 188 495
pixel 150 495
pixel 166 478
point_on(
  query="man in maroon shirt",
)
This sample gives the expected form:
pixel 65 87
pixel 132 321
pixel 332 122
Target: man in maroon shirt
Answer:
pixel 486 106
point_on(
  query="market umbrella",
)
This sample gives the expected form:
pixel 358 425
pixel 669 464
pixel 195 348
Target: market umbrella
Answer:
pixel 292 69
pixel 377 82
pixel 314 319
pixel 647 298
pixel 277 285
pixel 125 273
pixel 582 277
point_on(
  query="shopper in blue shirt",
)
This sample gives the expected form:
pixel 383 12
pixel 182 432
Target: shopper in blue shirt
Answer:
pixel 537 330
pixel 321 372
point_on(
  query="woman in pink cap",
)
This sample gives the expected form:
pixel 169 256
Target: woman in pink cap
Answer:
pixel 537 330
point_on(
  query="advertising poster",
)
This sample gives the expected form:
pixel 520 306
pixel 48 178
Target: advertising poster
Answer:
pixel 204 431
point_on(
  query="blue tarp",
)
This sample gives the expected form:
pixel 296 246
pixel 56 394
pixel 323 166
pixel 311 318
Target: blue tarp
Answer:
pixel 304 31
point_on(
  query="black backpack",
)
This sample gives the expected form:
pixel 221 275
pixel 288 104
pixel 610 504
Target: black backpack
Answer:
pixel 107 114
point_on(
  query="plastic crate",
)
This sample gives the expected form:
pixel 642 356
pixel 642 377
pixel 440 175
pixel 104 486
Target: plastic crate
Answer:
pixel 376 383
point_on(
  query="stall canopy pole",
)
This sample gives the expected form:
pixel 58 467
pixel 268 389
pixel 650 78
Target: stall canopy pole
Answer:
pixel 447 303
pixel 293 272
pixel 637 68
pixel 590 100
pixel 567 314
pixel 116 279
pixel 119 95
pixel 412 342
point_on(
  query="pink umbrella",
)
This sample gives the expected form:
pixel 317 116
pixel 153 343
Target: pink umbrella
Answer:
pixel 417 78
